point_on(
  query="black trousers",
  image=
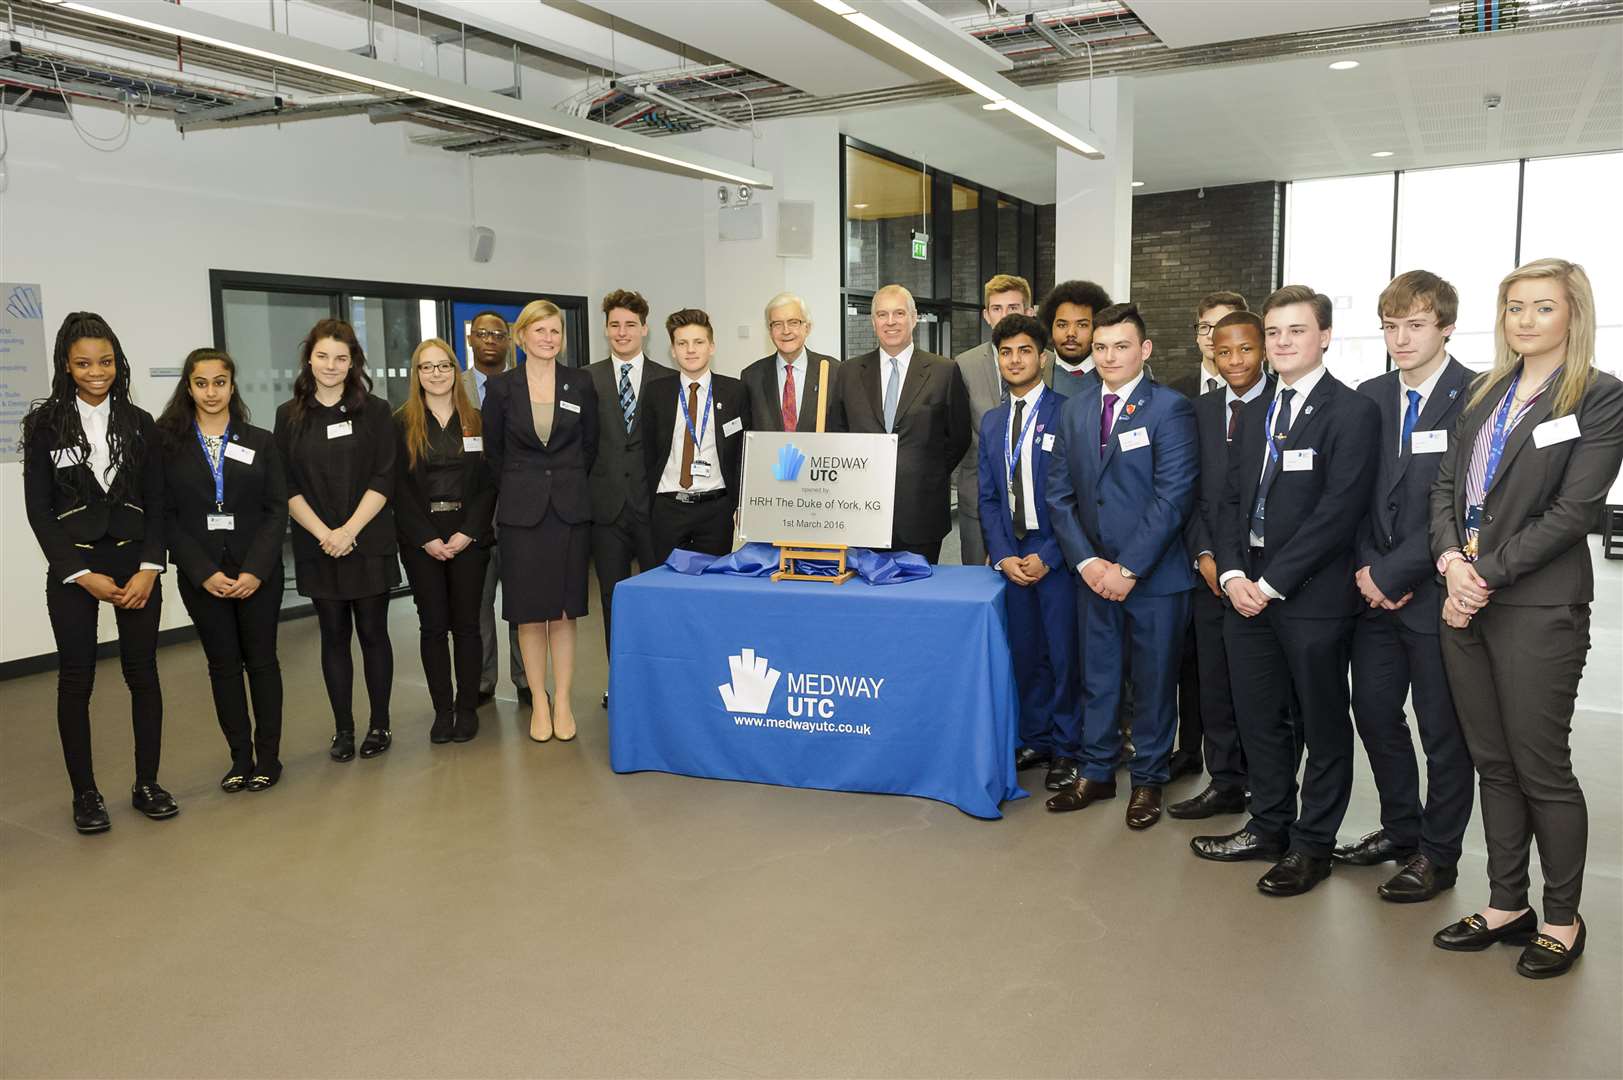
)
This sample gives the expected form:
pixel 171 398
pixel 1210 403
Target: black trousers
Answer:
pixel 368 618
pixel 705 527
pixel 448 596
pixel 1189 714
pixel 73 613
pixel 1270 656
pixel 1514 672
pixel 239 636
pixel 1388 659
pixel 615 545
pixel 1220 733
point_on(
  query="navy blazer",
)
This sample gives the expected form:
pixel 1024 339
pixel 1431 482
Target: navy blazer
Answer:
pixel 996 512
pixel 255 496
pixel 532 476
pixel 1128 506
pixel 1395 541
pixel 1212 424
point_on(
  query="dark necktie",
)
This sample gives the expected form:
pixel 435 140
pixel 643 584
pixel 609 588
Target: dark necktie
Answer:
pixel 687 436
pixel 1234 417
pixel 1015 481
pixel 1106 416
pixel 1270 466
pixel 791 415
pixel 1411 417
pixel 628 400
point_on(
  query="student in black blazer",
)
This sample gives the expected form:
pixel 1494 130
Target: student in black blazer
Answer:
pixel 337 443
pixel 786 388
pixel 444 499
pixel 694 445
pixel 1517 494
pixel 226 518
pixel 1395 649
pixel 1298 485
pixel 540 423
pixel 93 489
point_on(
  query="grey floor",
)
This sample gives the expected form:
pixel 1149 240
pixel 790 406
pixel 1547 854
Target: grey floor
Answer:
pixel 508 909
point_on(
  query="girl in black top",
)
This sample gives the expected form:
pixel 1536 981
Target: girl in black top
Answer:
pixel 93 485
pixel 337 445
pixel 444 498
pixel 227 514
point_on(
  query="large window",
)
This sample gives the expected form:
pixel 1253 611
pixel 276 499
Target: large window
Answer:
pixel 1565 215
pixel 1328 247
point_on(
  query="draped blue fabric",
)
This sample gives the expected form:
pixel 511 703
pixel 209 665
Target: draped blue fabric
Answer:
pixel 761 560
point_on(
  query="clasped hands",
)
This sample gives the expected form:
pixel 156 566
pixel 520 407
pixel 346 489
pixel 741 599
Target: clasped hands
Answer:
pixel 240 587
pixel 1374 596
pixel 131 596
pixel 1023 569
pixel 338 542
pixel 1467 594
pixel 1106 580
pixel 446 550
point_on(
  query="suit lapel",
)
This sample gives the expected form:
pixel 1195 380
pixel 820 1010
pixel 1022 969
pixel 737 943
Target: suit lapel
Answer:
pixel 1443 398
pixel 774 397
pixel 1047 417
pixel 1309 412
pixel 1539 413
pixel 1133 414
pixel 870 383
pixel 918 373
pixel 1394 462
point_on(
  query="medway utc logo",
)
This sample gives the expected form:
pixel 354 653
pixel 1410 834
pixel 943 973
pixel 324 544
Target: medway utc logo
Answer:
pixel 754 679
pixel 790 459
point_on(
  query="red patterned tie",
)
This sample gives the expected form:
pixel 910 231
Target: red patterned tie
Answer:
pixel 790 416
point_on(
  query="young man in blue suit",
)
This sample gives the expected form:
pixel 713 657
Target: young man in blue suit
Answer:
pixel 1016 438
pixel 1121 484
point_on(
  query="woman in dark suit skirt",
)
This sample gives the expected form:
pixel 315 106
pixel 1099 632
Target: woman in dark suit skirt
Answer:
pixel 93 489
pixel 444 499
pixel 541 437
pixel 227 514
pixel 1536 448
pixel 337 443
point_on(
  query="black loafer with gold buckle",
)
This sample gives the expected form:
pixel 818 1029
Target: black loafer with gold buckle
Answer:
pixel 1472 933
pixel 1545 957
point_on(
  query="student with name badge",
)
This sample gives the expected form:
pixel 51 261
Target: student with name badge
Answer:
pixel 93 493
pixel 694 446
pixel 1121 484
pixel 1518 491
pixel 226 520
pixel 337 443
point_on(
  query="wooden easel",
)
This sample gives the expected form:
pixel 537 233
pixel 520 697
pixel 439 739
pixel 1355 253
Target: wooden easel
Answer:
pixel 791 555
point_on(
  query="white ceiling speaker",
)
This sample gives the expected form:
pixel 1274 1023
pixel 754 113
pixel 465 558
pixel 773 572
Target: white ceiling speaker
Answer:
pixel 481 243
pixel 795 230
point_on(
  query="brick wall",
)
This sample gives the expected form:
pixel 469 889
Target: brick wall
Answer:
pixel 1044 279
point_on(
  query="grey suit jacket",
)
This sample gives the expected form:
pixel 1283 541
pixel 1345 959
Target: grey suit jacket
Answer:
pixel 470 384
pixel 766 402
pixel 618 474
pixel 985 385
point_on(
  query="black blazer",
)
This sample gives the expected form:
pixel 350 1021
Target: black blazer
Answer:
pixel 1395 541
pixel 1313 515
pixel 617 476
pixel 1212 430
pixel 66 507
pixel 730 402
pixel 411 514
pixel 1544 500
pixel 532 476
pixel 255 495
pixel 933 425
pixel 766 403
pixel 310 460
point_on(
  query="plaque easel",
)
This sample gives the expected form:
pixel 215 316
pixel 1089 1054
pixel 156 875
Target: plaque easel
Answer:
pixel 790 556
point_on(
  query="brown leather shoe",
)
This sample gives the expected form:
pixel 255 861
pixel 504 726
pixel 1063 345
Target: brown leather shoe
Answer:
pixel 1144 808
pixel 1085 793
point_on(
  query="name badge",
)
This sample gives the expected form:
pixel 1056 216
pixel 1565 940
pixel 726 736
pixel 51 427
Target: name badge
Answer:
pixel 67 457
pixel 1298 461
pixel 340 429
pixel 733 426
pixel 701 469
pixel 1048 443
pixel 1563 429
pixel 473 444
pixel 1428 442
pixel 238 452
pixel 568 406
pixel 222 522
pixel 1132 440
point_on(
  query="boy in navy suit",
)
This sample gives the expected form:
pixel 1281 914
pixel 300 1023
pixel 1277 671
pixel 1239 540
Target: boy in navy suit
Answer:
pixel 1120 486
pixel 1015 440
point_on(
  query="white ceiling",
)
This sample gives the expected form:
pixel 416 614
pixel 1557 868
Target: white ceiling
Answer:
pixel 1182 23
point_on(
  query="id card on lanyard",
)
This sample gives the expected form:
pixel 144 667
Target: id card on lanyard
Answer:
pixel 1012 450
pixel 701 467
pixel 219 520
pixel 1503 424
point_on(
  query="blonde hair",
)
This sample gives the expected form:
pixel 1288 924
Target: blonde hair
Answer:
pixel 534 312
pixel 1006 283
pixel 414 415
pixel 1578 369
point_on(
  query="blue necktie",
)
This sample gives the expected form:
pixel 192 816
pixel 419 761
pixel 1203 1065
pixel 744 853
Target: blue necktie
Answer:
pixel 1411 417
pixel 893 386
pixel 628 403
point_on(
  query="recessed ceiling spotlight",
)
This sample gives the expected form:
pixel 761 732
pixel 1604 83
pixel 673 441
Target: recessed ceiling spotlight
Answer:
pixel 1343 65
pixel 1138 183
pixel 1382 153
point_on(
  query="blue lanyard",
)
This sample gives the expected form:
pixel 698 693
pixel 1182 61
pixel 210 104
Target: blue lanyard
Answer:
pixel 704 423
pixel 1502 426
pixel 1011 454
pixel 1273 443
pixel 216 468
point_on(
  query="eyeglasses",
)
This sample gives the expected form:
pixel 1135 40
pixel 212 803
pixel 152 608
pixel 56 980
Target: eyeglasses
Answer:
pixel 779 325
pixel 490 335
pixel 441 368
pixel 1204 329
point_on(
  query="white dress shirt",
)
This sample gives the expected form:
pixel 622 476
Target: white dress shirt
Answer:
pixel 1230 397
pixel 480 380
pixel 670 478
pixel 1123 396
pixel 902 359
pixel 94 419
pixel 1028 485
pixel 1425 390
pixel 1075 369
pixel 635 375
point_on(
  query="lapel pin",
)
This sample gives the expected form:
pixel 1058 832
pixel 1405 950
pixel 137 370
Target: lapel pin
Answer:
pixel 1308 411
pixel 1131 408
pixel 1454 393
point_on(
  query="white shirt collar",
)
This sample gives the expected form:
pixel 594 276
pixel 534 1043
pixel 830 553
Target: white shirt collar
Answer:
pixel 1425 388
pixel 98 413
pixel 1303 387
pixel 1230 397
pixel 798 359
pixel 635 362
pixel 901 358
pixel 701 381
pixel 1125 394
pixel 1030 397
pixel 1078 369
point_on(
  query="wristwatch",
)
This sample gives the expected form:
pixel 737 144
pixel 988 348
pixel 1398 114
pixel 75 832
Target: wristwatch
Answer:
pixel 1447 557
pixel 1126 573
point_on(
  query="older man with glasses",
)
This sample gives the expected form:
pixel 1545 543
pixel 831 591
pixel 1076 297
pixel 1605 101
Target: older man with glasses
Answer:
pixel 786 388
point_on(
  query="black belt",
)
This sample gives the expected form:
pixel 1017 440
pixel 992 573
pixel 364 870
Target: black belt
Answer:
pixel 693 496
pixel 443 505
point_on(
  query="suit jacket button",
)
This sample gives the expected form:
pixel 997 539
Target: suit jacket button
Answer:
pixel 1101 502
pixel 549 472
pixel 1391 506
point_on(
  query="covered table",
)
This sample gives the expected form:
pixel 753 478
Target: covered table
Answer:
pixel 901 689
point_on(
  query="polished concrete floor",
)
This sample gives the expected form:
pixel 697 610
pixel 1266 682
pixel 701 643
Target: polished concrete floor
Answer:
pixel 503 908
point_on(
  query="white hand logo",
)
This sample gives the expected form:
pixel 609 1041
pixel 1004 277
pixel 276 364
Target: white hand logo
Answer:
pixel 753 682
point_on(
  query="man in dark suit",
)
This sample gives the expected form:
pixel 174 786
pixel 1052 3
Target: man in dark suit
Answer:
pixel 621 532
pixel 1012 462
pixel 1395 649
pixel 1238 352
pixel 786 389
pixel 921 398
pixel 1300 474
pixel 1068 312
pixel 693 449
pixel 1208 313
pixel 1121 484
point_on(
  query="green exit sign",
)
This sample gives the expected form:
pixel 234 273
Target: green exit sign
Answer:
pixel 921 246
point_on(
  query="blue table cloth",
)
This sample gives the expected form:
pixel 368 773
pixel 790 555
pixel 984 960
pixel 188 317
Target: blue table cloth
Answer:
pixel 899 689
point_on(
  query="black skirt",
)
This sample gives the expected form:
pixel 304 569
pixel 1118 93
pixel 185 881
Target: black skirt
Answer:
pixel 544 569
pixel 353 577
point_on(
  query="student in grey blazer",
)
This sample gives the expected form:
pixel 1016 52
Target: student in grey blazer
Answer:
pixel 786 388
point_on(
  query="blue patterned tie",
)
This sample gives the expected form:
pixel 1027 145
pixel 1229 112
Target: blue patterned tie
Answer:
pixel 1411 417
pixel 628 403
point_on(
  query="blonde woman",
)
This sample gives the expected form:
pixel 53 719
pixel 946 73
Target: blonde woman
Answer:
pixel 1520 486
pixel 444 499
pixel 541 438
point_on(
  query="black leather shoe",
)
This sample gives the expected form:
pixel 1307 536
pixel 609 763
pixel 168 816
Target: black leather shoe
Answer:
pixel 1420 879
pixel 467 726
pixel 1181 764
pixel 1235 847
pixel 376 742
pixel 1144 808
pixel 444 724
pixel 90 812
pixel 1128 752
pixel 486 696
pixel 524 695
pixel 237 779
pixel 1209 803
pixel 153 801
pixel 1294 875
pixel 1029 757
pixel 1471 934
pixel 343 746
pixel 1545 957
pixel 265 777
pixel 1371 849
pixel 1082 794
pixel 1063 772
